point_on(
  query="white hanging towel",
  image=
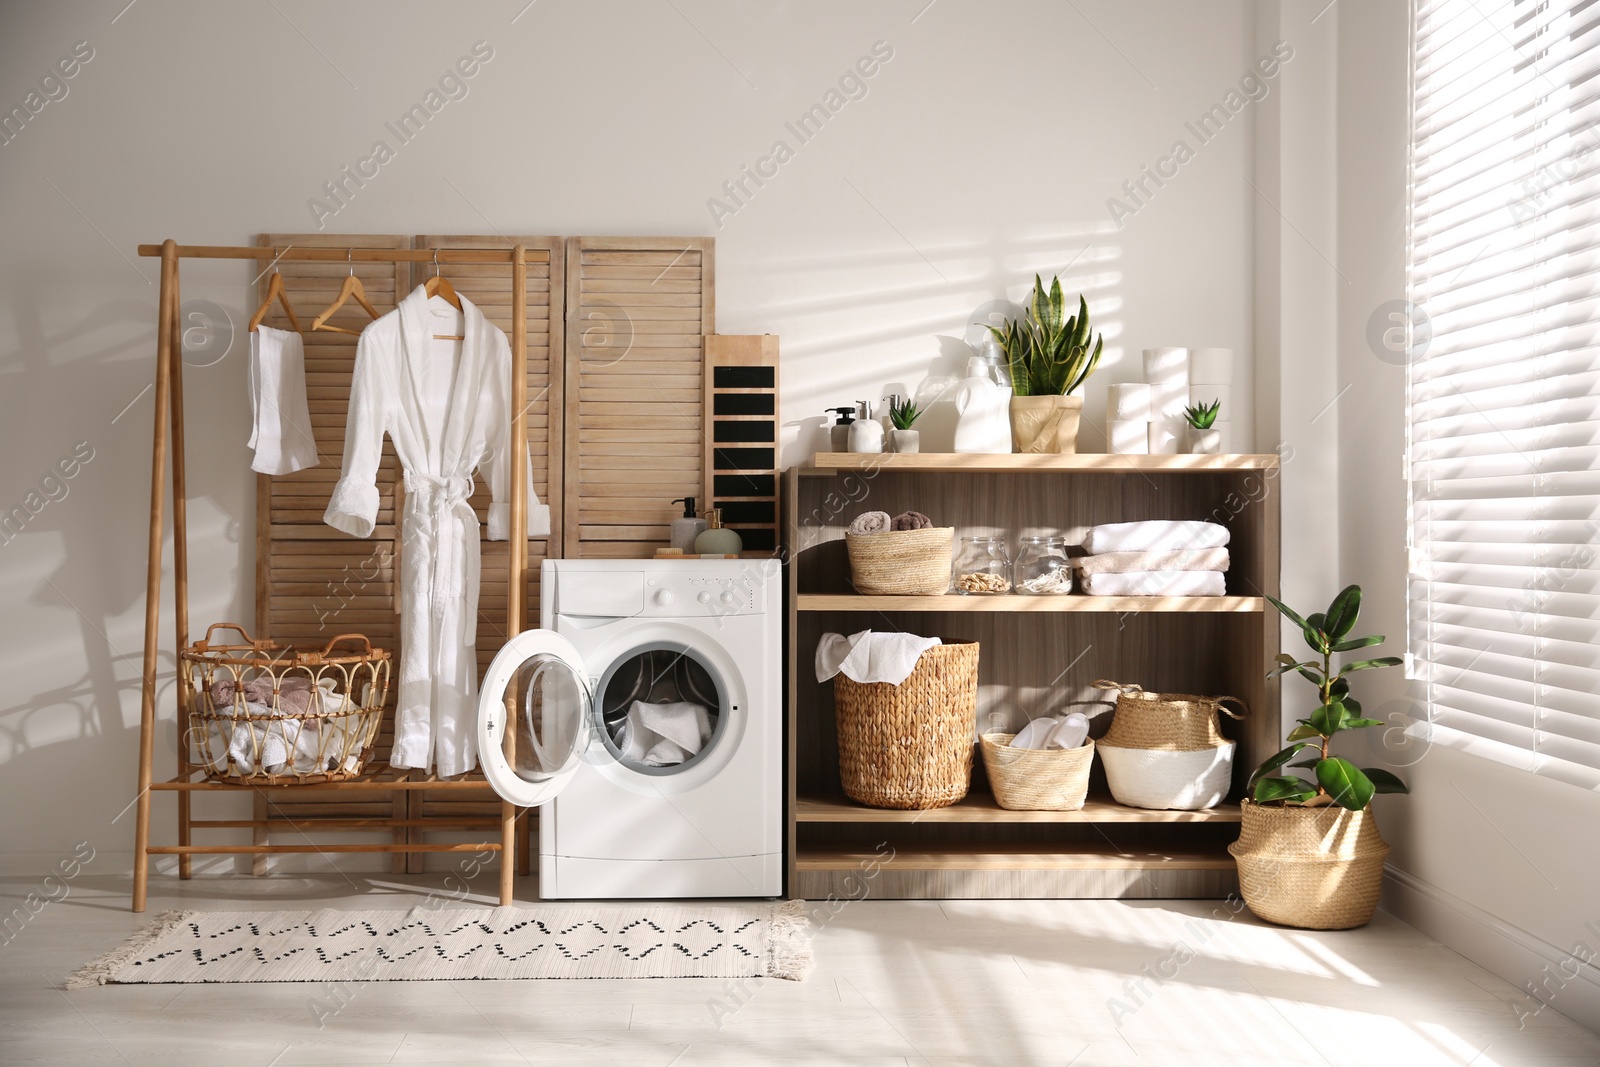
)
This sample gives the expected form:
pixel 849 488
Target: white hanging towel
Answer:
pixel 871 657
pixel 1155 535
pixel 447 407
pixel 280 419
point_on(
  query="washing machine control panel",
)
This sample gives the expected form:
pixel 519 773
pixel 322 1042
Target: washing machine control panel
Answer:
pixel 703 595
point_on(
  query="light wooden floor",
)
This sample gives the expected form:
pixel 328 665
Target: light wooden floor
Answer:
pixel 905 983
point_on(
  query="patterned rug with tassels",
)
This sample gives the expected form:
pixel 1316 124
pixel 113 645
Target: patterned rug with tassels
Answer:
pixel 426 944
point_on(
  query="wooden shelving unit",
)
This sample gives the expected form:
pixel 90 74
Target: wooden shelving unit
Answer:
pixel 1039 655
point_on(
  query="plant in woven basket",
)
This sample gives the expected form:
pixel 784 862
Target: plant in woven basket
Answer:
pixel 1203 416
pixel 1338 781
pixel 1048 352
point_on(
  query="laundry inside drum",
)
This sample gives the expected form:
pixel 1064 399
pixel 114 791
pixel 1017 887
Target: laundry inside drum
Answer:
pixel 660 708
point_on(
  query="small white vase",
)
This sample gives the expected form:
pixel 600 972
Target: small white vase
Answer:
pixel 1202 442
pixel 905 442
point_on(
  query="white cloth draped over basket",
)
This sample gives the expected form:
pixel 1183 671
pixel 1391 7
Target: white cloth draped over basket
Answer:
pixel 447 407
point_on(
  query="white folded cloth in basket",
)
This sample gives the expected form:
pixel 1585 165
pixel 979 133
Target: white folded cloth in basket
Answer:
pixel 1154 535
pixel 871 657
pixel 1050 731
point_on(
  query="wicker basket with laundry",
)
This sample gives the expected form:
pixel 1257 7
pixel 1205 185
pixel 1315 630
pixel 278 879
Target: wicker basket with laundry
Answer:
pixel 262 712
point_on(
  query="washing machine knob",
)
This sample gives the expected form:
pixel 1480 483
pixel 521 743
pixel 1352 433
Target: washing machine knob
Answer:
pixel 729 599
pixel 704 597
pixel 664 597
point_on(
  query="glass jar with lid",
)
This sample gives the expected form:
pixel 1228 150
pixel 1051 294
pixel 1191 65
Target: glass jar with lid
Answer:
pixel 1042 567
pixel 983 566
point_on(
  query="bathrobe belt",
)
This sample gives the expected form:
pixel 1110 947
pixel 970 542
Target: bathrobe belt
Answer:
pixel 441 502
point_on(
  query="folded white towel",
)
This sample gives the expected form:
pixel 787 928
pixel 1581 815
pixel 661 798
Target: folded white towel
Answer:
pixel 264 741
pixel 871 657
pixel 871 522
pixel 1154 535
pixel 663 735
pixel 1052 732
pixel 1204 559
pixel 1156 583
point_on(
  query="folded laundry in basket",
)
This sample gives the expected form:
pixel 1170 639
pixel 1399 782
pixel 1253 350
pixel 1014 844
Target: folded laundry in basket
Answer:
pixel 1157 583
pixel 1153 535
pixel 663 735
pixel 911 520
pixel 871 522
pixel 294 692
pixel 1052 732
pixel 871 657
pixel 1204 559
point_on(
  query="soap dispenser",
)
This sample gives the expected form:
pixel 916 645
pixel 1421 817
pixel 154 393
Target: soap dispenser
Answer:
pixel 718 540
pixel 687 528
pixel 839 433
pixel 866 433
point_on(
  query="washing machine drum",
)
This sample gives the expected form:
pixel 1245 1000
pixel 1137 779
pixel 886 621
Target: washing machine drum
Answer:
pixel 536 689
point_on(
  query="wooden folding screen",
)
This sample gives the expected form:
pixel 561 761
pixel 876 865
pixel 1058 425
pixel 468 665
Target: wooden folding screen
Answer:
pixel 637 312
pixel 741 435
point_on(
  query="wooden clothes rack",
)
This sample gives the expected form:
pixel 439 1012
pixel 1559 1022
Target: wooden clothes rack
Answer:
pixel 169 443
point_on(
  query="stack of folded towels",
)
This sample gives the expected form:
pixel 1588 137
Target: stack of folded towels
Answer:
pixel 1155 558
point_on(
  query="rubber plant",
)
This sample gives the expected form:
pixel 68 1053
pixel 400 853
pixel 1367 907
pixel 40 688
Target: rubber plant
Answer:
pixel 1337 779
pixel 1048 352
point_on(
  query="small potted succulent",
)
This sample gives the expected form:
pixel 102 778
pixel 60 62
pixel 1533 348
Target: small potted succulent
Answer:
pixel 1202 437
pixel 1309 852
pixel 903 415
pixel 1050 356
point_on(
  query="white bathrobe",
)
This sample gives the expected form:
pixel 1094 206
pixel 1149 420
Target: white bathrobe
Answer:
pixel 447 407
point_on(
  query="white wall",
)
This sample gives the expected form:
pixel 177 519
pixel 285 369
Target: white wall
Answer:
pixel 1496 863
pixel 985 150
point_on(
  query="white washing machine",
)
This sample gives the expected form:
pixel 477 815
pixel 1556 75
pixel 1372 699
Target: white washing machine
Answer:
pixel 620 819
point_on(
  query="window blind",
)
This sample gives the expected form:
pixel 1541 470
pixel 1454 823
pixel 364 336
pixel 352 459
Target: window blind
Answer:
pixel 1504 392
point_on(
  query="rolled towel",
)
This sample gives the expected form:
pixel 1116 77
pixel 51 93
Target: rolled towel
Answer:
pixel 911 520
pixel 1205 559
pixel 1154 535
pixel 871 522
pixel 1157 583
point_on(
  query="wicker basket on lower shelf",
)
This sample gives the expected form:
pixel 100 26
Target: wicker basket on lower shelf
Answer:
pixel 909 746
pixel 263 713
pixel 1033 779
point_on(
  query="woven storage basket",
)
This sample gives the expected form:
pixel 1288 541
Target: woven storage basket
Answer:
pixel 901 562
pixel 1168 781
pixel 1320 868
pixel 1171 722
pixel 1030 779
pixel 909 746
pixel 246 729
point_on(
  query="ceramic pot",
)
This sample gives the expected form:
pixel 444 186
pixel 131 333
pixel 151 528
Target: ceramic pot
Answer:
pixel 1318 868
pixel 1202 442
pixel 905 442
pixel 1045 423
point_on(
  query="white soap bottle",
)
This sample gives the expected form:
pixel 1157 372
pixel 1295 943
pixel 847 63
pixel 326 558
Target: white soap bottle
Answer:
pixel 983 409
pixel 866 433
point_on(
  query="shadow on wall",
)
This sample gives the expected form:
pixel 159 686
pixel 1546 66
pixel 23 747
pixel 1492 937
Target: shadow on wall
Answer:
pixel 837 333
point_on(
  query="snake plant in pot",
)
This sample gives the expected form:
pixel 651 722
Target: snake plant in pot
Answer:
pixel 1050 356
pixel 1309 852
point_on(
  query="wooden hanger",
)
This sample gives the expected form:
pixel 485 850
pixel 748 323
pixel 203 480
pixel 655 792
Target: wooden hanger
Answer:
pixel 275 291
pixel 352 287
pixel 440 287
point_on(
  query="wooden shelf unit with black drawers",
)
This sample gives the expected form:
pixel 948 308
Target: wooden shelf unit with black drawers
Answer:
pixel 1039 655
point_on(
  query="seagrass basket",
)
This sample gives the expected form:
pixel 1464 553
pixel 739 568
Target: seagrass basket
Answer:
pixel 1318 868
pixel 909 746
pixel 260 712
pixel 1169 722
pixel 901 562
pixel 1028 779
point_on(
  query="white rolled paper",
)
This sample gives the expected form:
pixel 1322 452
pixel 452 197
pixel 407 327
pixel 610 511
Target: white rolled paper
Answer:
pixel 1166 365
pixel 1130 437
pixel 1211 365
pixel 1225 428
pixel 1128 401
pixel 1168 399
pixel 1205 393
pixel 1164 437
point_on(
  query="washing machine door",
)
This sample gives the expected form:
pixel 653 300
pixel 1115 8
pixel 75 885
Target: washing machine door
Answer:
pixel 536 689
